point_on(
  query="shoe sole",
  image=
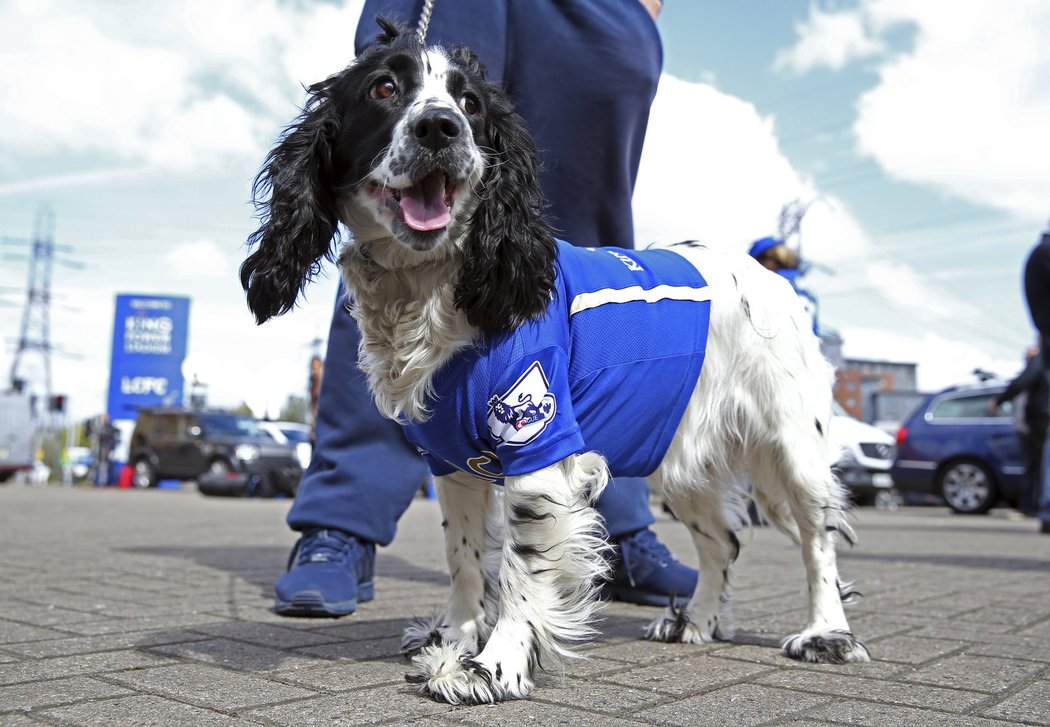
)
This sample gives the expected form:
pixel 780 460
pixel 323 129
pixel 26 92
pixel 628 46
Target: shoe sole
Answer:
pixel 313 604
pixel 641 598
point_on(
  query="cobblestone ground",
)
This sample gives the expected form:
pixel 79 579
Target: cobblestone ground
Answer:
pixel 134 608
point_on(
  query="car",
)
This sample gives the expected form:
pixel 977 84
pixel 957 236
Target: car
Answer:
pixel 862 456
pixel 952 447
pixel 226 453
pixel 79 461
pixel 294 434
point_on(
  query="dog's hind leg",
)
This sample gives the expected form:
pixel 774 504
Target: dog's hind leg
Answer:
pixel 818 504
pixel 707 614
pixel 466 504
pixel 553 562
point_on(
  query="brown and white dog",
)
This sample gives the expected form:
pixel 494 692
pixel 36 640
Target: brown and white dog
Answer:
pixel 426 164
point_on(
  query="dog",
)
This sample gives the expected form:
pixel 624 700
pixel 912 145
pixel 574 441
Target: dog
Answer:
pixel 514 358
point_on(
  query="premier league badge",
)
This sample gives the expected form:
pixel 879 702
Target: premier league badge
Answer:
pixel 524 411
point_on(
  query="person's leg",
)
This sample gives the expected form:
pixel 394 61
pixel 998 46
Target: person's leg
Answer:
pixel 1043 501
pixel 1037 426
pixel 583 75
pixel 361 479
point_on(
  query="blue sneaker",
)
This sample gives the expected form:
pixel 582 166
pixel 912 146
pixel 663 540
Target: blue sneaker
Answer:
pixel 332 572
pixel 645 572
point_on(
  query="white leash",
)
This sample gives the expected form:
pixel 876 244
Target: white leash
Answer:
pixel 424 21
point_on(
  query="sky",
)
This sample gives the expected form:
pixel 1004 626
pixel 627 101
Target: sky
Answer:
pixel 915 132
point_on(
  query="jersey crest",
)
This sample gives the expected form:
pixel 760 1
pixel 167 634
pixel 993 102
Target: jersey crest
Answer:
pixel 521 414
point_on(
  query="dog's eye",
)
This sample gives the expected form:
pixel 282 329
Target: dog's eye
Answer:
pixel 382 89
pixel 469 105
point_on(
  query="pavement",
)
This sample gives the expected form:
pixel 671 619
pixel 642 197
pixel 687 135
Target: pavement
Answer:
pixel 154 608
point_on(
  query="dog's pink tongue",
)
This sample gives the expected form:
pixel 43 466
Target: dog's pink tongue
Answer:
pixel 424 204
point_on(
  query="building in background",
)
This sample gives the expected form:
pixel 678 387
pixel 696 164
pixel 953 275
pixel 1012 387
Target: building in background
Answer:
pixel 882 393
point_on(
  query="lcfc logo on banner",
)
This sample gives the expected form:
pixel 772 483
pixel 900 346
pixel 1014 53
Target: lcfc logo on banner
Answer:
pixel 142 385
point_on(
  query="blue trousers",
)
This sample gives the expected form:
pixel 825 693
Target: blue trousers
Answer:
pixel 583 75
pixel 1042 492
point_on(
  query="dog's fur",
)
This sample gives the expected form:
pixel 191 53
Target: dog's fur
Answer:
pixel 400 122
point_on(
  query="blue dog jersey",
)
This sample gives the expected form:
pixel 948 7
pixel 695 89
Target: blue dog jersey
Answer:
pixel 609 368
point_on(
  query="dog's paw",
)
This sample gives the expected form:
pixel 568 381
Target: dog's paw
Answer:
pixel 448 673
pixel 422 632
pixel 826 647
pixel 676 626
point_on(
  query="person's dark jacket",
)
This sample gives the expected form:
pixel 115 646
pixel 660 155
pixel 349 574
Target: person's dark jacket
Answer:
pixel 1037 288
pixel 1032 381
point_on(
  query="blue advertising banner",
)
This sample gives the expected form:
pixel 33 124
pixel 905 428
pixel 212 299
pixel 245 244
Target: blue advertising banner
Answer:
pixel 149 345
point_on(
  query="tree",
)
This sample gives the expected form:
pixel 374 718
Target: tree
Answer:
pixel 295 409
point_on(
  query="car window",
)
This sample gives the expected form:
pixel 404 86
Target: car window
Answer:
pixel 296 435
pixel 165 426
pixel 232 425
pixel 972 406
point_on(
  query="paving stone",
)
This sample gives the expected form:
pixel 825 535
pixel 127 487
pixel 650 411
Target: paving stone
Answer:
pixel 535 712
pixel 210 687
pixel 95 663
pixel 348 675
pixel 977 673
pixel 237 655
pixel 1030 704
pixel 858 713
pixel 741 704
pixel 362 707
pixel 593 696
pixel 109 642
pixel 12 632
pixel 878 690
pixel 141 711
pixel 36 695
pixel 682 677
pixel 911 649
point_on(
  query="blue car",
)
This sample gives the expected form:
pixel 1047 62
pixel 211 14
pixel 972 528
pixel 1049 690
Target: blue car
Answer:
pixel 952 447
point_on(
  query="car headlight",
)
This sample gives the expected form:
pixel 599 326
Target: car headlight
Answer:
pixel 246 452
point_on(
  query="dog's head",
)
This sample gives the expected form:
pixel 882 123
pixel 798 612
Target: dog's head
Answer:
pixel 414 148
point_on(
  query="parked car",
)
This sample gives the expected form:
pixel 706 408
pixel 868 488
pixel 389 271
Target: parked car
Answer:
pixel 294 434
pixel 79 461
pixel 863 455
pixel 951 446
pixel 226 453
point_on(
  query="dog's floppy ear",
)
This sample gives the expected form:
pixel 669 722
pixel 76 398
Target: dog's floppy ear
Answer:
pixel 508 270
pixel 298 218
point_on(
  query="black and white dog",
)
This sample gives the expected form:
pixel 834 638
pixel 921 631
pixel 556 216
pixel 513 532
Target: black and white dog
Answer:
pixel 428 166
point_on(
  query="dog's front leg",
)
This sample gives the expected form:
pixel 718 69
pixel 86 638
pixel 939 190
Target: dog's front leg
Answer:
pixel 552 566
pixel 466 504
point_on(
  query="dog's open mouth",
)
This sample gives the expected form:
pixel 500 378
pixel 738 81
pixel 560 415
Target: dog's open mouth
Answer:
pixel 425 205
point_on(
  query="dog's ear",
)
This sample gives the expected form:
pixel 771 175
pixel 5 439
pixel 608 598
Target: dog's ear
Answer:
pixel 293 196
pixel 508 272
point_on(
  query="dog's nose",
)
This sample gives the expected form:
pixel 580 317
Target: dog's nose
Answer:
pixel 437 128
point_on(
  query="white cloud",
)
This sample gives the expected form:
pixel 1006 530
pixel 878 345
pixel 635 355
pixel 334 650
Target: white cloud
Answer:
pixel 177 86
pixel 829 39
pixel 942 361
pixel 712 170
pixel 965 110
pixel 201 259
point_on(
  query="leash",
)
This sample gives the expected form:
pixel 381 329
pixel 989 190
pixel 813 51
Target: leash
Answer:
pixel 424 21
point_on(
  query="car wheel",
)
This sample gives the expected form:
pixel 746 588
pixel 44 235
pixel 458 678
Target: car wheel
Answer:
pixel 967 487
pixel 219 467
pixel 143 474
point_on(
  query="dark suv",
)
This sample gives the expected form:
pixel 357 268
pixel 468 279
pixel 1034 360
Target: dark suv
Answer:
pixel 951 446
pixel 228 449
